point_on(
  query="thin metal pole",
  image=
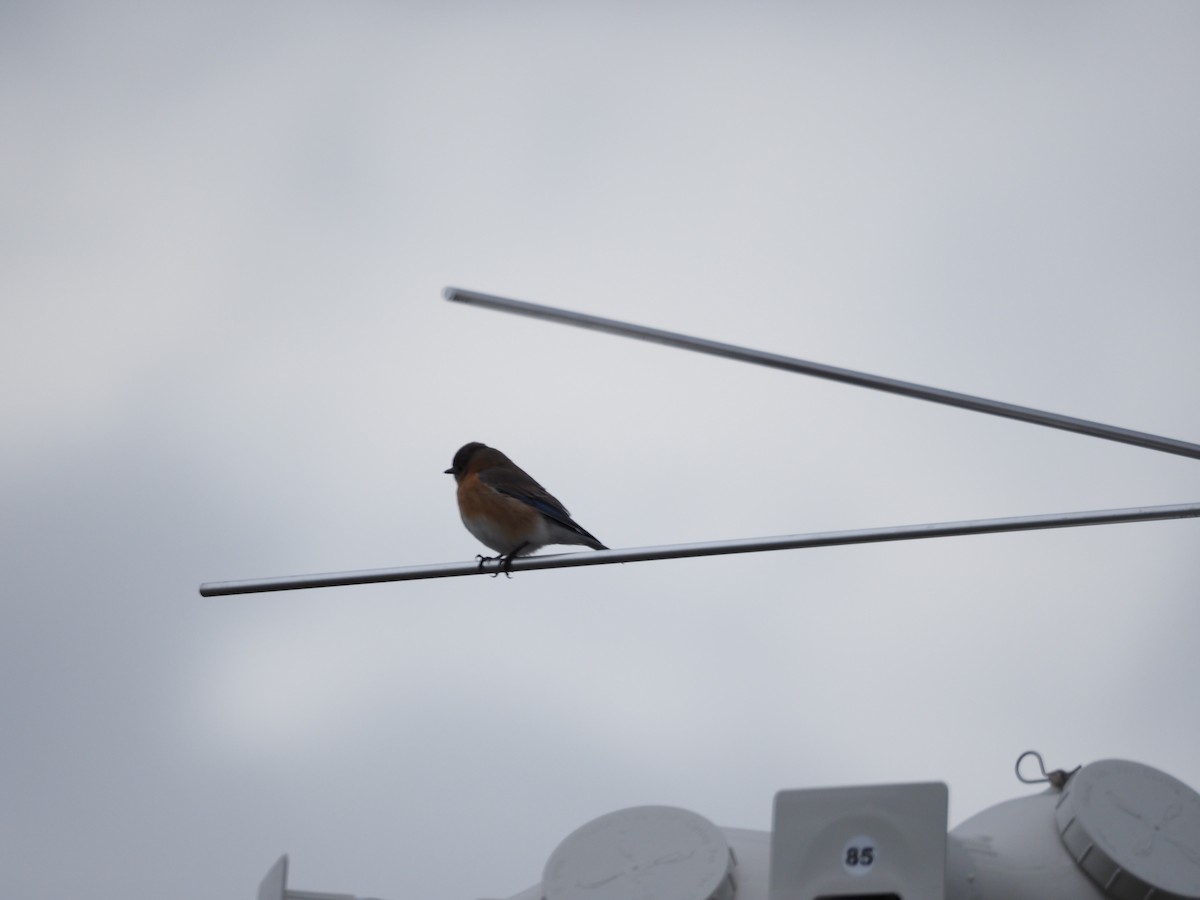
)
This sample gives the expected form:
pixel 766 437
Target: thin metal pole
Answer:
pixel 833 373
pixel 711 548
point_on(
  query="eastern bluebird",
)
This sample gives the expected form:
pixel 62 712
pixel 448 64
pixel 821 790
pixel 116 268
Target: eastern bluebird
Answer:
pixel 506 509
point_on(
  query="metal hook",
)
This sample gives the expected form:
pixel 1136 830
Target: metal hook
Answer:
pixel 1056 779
pixel 1041 765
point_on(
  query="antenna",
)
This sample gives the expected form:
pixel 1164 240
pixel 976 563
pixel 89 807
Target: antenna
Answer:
pixel 712 548
pixel 833 373
pixel 757 545
pixel 1124 830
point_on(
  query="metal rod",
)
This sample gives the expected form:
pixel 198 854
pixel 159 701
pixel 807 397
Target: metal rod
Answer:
pixel 711 548
pixel 833 373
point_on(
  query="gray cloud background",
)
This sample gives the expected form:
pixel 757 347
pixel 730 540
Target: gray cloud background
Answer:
pixel 223 236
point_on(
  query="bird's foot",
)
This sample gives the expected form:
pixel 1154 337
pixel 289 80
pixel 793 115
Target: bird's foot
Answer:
pixel 506 568
pixel 484 560
pixel 505 560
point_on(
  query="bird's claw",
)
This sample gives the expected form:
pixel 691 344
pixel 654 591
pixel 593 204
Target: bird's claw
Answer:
pixel 484 561
pixel 487 559
pixel 509 557
pixel 506 560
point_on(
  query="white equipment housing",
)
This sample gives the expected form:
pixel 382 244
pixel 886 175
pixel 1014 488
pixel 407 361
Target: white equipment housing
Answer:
pixel 1113 830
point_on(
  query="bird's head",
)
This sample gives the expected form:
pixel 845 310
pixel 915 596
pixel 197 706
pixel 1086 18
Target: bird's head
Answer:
pixel 462 459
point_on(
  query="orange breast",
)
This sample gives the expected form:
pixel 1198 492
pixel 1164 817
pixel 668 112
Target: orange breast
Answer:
pixel 502 523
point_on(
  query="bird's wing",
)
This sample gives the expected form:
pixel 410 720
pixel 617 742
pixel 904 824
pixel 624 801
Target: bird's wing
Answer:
pixel 519 485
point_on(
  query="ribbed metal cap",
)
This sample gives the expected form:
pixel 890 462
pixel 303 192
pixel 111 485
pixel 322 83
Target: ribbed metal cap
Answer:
pixel 1134 830
pixel 646 851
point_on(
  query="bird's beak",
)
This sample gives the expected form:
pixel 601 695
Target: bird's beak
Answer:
pixel 448 472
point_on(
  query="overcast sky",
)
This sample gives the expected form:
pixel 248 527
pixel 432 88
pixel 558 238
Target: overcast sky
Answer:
pixel 224 230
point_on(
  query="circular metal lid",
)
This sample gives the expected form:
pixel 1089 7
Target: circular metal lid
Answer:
pixel 1134 830
pixel 645 851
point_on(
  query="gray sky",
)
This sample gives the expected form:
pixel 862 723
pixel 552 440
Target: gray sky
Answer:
pixel 223 236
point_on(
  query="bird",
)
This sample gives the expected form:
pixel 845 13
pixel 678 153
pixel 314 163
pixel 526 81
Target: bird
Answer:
pixel 507 510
